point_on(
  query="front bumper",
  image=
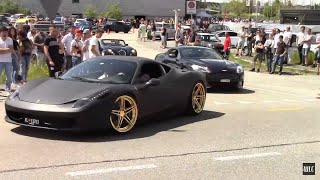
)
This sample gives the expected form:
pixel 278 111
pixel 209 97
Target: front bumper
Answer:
pixel 57 117
pixel 223 79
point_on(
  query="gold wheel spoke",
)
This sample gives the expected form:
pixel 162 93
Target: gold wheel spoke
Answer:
pixel 200 96
pixel 198 105
pixel 128 110
pixel 122 104
pixel 126 118
pixel 115 112
pixel 120 119
pixel 198 90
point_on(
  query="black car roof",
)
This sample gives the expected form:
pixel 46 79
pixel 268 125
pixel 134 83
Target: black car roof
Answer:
pixel 126 58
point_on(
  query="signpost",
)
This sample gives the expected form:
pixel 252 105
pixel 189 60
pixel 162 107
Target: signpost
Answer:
pixel 191 7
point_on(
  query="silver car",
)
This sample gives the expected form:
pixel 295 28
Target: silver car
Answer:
pixel 170 30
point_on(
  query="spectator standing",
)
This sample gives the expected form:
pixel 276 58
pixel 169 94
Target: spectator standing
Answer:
pixel 86 43
pixel 308 38
pixel 249 36
pixel 26 48
pixel 227 46
pixel 280 52
pixel 6 49
pixel 67 44
pixel 143 31
pixel 192 37
pixel 16 57
pixel 76 49
pixel 94 47
pixel 163 35
pixel 287 36
pixel 317 59
pixel 26 27
pixel 259 47
pixel 51 50
pixel 178 36
pixel 269 51
pixel 242 38
pixel 39 43
pixel 299 41
pixel 154 30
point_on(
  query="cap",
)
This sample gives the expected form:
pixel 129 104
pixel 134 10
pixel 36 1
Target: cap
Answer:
pixel 86 31
pixel 78 31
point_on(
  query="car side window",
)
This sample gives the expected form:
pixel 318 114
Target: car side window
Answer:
pixel 173 51
pixel 222 34
pixel 233 34
pixel 150 70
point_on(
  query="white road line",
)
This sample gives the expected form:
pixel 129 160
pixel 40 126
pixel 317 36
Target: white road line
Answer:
pixel 270 101
pixel 246 102
pixel 108 170
pixel 230 158
pixel 277 92
pixel 312 99
pixel 220 103
pixel 290 100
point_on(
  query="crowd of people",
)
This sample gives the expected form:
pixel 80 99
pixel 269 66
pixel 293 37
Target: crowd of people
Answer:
pixel 59 50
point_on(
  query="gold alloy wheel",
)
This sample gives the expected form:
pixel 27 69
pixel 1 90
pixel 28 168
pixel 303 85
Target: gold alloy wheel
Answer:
pixel 198 97
pixel 124 117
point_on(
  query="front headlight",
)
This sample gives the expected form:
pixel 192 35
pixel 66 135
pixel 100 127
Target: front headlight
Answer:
pixel 133 51
pixel 14 94
pixel 110 51
pixel 87 100
pixel 239 69
pixel 210 45
pixel 103 53
pixel 200 68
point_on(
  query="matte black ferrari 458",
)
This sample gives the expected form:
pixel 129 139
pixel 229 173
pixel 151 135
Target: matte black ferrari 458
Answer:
pixel 219 72
pixel 116 47
pixel 107 92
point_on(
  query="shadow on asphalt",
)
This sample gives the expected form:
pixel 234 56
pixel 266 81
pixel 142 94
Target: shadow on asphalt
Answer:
pixel 142 130
pixel 229 91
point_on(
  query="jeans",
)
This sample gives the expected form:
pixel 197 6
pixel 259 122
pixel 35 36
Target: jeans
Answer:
pixel 25 66
pixel 68 63
pixel 40 58
pixel 300 55
pixel 249 44
pixel 76 60
pixel 8 67
pixel 277 59
pixel 16 68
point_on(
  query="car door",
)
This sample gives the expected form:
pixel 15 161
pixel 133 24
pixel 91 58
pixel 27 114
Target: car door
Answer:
pixel 234 38
pixel 221 36
pixel 154 99
pixel 170 60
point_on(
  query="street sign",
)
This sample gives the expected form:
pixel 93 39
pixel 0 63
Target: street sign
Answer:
pixel 191 7
pixel 247 2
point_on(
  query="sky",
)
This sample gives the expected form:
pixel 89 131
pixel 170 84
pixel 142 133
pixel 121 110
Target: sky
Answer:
pixel 299 2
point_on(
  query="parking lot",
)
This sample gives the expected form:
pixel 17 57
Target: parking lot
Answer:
pixel 265 131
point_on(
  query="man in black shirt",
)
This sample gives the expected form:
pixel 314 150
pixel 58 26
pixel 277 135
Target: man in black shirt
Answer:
pixel 192 38
pixel 51 50
pixel 249 36
pixel 259 47
pixel 279 55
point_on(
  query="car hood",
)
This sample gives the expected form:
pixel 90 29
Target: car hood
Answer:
pixel 215 65
pixel 57 92
pixel 117 48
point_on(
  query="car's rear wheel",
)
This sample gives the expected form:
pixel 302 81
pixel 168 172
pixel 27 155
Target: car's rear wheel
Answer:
pixel 124 115
pixel 126 31
pixel 198 99
pixel 117 31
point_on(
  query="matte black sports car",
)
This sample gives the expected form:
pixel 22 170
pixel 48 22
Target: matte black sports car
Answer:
pixel 219 72
pixel 116 47
pixel 107 92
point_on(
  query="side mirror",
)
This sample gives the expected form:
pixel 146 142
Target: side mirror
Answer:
pixel 153 82
pixel 58 74
pixel 172 55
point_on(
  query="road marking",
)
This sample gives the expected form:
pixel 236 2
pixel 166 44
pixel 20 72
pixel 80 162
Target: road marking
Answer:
pixel 277 92
pixel 220 103
pixel 230 158
pixel 108 170
pixel 270 101
pixel 246 102
pixel 286 109
pixel 290 100
pixel 312 100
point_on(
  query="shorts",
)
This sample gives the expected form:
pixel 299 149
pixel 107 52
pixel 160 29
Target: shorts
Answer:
pixel 258 56
pixel 240 44
pixel 305 51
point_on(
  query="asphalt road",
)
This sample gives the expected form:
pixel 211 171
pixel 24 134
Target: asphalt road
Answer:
pixel 264 132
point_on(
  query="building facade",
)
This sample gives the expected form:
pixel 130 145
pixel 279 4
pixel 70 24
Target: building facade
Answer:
pixel 130 8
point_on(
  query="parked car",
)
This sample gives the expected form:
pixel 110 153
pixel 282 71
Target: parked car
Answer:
pixel 221 35
pixel 211 41
pixel 217 27
pixel 116 47
pixel 170 30
pixel 117 26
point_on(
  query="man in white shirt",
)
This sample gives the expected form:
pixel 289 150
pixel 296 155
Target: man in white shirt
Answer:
pixel 299 42
pixel 242 38
pixel 86 43
pixel 6 49
pixel 308 38
pixel 94 47
pixel 67 45
pixel 287 36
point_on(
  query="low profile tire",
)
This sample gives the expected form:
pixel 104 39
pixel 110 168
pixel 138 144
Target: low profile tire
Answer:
pixel 117 31
pixel 126 32
pixel 197 99
pixel 124 114
pixel 238 86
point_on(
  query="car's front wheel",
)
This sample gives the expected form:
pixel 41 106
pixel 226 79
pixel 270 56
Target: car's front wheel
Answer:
pixel 124 114
pixel 197 99
pixel 238 85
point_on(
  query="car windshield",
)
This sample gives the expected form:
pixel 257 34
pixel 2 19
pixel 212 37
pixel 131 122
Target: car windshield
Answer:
pixel 80 20
pixel 113 42
pixel 209 38
pixel 102 70
pixel 57 19
pixel 199 53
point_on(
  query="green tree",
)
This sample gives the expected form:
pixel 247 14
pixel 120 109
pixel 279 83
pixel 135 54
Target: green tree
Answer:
pixel 13 7
pixel 114 11
pixel 237 8
pixel 91 12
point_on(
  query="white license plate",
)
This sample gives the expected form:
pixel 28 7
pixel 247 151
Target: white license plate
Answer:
pixel 31 121
pixel 225 80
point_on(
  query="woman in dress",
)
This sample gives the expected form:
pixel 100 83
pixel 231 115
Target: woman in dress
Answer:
pixel 143 31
